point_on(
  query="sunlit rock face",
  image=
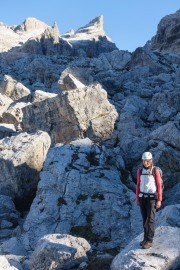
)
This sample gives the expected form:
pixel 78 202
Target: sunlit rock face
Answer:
pixel 74 114
pixel 21 160
pixel 79 190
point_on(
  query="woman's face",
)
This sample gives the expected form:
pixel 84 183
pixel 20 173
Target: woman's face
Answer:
pixel 147 163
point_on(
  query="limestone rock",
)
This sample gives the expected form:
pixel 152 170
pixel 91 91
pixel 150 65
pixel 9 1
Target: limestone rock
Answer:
pixel 64 252
pixel 69 33
pixel 8 213
pixel 7 130
pixel 167 37
pixel 94 27
pixel 117 59
pixel 22 158
pixel 40 95
pixel 6 265
pixel 144 57
pixel 166 133
pixel 69 82
pixel 82 75
pixel 73 114
pixel 13 246
pixel 14 114
pixel 169 216
pixel 4 103
pixel 167 157
pixel 29 25
pixel 172 195
pixel 163 255
pixel 52 33
pixel 16 91
pixel 78 192
pixel 166 105
pixel 91 39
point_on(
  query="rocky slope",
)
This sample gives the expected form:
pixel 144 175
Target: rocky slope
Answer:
pixel 76 114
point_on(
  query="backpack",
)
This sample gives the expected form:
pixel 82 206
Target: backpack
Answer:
pixel 153 173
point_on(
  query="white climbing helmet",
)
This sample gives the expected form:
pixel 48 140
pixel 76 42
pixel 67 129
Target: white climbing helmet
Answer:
pixel 146 156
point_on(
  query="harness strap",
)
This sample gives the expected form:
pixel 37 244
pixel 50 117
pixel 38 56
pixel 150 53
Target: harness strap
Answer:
pixel 146 195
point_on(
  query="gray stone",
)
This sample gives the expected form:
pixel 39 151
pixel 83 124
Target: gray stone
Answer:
pixel 16 91
pixel 167 36
pixel 22 158
pixel 6 224
pixel 13 246
pixel 4 103
pixel 169 216
pixel 5 264
pixel 78 192
pixel 164 254
pixel 64 252
pixel 73 114
pixel 7 130
pixel 169 133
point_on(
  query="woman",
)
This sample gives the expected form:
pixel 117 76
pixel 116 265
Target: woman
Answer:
pixel 148 196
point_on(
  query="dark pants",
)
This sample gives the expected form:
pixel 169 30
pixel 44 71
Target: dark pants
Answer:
pixel 148 211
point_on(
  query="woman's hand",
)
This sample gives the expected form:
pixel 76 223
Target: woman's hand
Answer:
pixel 158 204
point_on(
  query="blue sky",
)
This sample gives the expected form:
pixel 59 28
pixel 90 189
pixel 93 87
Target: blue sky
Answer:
pixel 129 23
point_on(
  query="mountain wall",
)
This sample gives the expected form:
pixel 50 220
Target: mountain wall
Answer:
pixel 76 114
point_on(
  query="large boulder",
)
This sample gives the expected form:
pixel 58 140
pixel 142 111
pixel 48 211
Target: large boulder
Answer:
pixel 79 191
pixel 21 160
pixel 59 251
pixel 164 254
pixel 81 74
pixel 169 216
pixel 73 114
pixel 13 89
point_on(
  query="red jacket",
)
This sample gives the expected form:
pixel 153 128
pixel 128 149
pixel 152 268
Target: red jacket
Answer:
pixel 158 183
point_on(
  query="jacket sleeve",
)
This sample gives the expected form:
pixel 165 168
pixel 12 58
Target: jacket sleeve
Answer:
pixel 159 184
pixel 138 184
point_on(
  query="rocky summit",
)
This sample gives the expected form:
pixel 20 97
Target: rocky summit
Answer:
pixel 76 114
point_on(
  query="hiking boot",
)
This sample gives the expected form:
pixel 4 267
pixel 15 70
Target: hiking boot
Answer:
pixel 147 245
pixel 142 242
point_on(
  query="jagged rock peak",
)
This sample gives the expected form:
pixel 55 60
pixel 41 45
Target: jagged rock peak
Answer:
pixel 68 34
pixel 93 27
pixel 52 33
pixel 30 24
pixel 167 37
